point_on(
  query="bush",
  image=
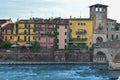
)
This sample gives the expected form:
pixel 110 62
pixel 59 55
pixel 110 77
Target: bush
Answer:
pixel 35 46
pixel 5 45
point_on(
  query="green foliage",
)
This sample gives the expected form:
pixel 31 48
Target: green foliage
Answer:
pixel 55 47
pixel 78 39
pixel 35 46
pixel 5 45
pixel 81 46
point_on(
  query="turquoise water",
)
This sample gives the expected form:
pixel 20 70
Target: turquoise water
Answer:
pixel 56 72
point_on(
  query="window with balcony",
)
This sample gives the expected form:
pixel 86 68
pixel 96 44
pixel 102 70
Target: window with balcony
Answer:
pixel 81 32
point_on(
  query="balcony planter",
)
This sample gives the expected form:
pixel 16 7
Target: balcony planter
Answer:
pixel 78 39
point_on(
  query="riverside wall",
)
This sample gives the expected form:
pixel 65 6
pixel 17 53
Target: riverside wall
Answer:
pixel 58 56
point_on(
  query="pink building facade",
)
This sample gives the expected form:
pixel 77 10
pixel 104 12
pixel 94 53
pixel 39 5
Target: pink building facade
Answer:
pixel 63 34
pixel 45 35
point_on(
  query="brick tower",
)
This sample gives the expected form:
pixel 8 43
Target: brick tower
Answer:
pixel 98 13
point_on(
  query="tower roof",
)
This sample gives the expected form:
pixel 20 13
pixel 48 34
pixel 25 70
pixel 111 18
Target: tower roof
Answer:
pixel 98 5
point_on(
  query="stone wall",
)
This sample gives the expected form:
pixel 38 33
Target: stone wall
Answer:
pixel 72 56
pixel 26 57
pixel 58 56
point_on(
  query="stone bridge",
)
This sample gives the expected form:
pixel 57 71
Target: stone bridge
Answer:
pixel 108 52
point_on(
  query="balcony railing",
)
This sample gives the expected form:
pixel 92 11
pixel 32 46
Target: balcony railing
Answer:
pixel 83 32
pixel 77 39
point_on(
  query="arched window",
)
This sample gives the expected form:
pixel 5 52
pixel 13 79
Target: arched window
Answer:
pixel 99 39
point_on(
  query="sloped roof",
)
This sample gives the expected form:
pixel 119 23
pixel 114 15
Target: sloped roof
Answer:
pixel 109 19
pixel 9 26
pixel 4 20
pixel 98 5
pixel 80 19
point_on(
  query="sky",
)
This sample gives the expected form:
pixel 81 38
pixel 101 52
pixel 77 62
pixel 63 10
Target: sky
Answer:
pixel 25 9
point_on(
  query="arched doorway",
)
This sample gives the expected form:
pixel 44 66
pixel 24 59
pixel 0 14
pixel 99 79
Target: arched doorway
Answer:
pixel 99 39
pixel 117 58
pixel 100 57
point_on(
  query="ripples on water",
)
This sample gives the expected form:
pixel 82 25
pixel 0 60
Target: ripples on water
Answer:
pixel 56 72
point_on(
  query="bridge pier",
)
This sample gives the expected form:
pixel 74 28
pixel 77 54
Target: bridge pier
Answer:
pixel 115 66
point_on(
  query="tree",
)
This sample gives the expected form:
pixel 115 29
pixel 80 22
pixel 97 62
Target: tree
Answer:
pixel 5 45
pixel 35 46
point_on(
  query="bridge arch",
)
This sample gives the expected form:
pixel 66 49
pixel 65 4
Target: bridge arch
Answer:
pixel 117 58
pixel 100 57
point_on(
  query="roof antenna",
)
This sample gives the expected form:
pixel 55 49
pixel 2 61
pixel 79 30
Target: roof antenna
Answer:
pixel 31 14
pixel 80 14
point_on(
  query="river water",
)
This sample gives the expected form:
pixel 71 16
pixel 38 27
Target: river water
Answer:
pixel 57 72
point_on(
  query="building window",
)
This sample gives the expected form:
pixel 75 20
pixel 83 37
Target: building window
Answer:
pixel 78 36
pixel 107 23
pixel 11 31
pixel 33 38
pixel 5 31
pixel 116 36
pixel 18 38
pixel 57 40
pixel 100 27
pixel 81 24
pixel 112 23
pixel 65 33
pixel 112 36
pixel 65 40
pixel 65 47
pixel 5 38
pixel 24 38
pixel 117 28
pixel 84 24
pixel 90 43
pixel 10 37
pixel 29 38
pixel 25 25
pixel 70 23
pixel 65 27
pixel 107 36
pixel 70 30
pixel 25 32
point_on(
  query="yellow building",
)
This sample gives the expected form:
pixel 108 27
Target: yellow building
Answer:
pixel 24 32
pixel 81 32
